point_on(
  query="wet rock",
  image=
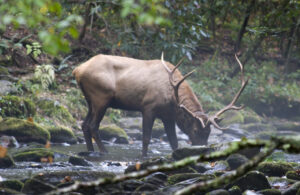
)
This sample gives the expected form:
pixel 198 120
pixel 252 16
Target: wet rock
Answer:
pixel 79 161
pixel 181 153
pixel 250 152
pixel 55 110
pixel 218 192
pixel 14 106
pixel 200 167
pixel 270 192
pixel 148 163
pixel 91 154
pixel 218 166
pixel 34 186
pixel 236 160
pixel 157 178
pixel 61 134
pixel 24 131
pixel 6 162
pixel 131 185
pixel 147 187
pixel 280 182
pixel 252 181
pixel 8 141
pixel 235 190
pixel 113 131
pixel 56 178
pixel 134 134
pixel 158 130
pixel 293 175
pixel 12 184
pixel 232 117
pixel 34 155
pixel 274 168
pixel 292 190
pixel 7 87
pixel 176 178
pixel 7 191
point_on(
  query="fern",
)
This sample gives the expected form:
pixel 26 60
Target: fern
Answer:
pixel 45 74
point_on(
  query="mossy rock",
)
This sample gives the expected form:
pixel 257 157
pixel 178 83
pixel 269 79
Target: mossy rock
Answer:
pixel 293 189
pixel 34 186
pixel 258 127
pixel 3 71
pixel 176 178
pixel 278 169
pixel 293 175
pixel 236 160
pixel 270 192
pixel 53 109
pixel 252 118
pixel 61 134
pixel 113 131
pixel 12 184
pixel 235 190
pixel 7 191
pixel 24 131
pixel 14 106
pixel 218 192
pixel 34 155
pixel 158 129
pixel 232 117
pixel 287 125
pixel 6 162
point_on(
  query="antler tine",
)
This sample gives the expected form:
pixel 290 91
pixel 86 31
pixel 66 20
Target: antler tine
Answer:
pixel 231 106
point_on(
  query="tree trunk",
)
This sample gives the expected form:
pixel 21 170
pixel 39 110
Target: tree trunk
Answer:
pixel 86 21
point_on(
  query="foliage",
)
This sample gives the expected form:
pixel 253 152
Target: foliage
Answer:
pixel 35 49
pixel 45 74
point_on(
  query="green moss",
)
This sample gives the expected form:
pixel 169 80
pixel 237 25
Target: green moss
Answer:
pixel 7 191
pixel 14 106
pixel 55 110
pixel 61 134
pixel 24 131
pixel 110 131
pixel 3 71
pixel 33 154
pixel 293 175
pixel 274 168
pixel 232 117
pixel 270 192
pixel 176 178
pixel 12 184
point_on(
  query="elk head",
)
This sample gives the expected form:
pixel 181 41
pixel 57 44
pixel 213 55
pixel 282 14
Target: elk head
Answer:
pixel 197 124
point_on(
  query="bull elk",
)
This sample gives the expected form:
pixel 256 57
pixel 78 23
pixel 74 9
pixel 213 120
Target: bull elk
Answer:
pixel 155 88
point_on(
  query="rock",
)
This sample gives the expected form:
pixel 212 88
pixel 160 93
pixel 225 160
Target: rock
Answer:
pixel 235 190
pixel 158 130
pixel 218 192
pixel 12 184
pixel 232 117
pixel 61 134
pixel 250 152
pixel 134 134
pixel 21 59
pixel 3 71
pixel 6 162
pixel 252 118
pixel 113 131
pixel 146 187
pixel 293 175
pixel 79 161
pixel 149 163
pixel 35 155
pixel 292 190
pixel 176 178
pixel 270 192
pixel 34 186
pixel 24 131
pixel 7 87
pixel 258 127
pixel 253 180
pixel 280 182
pixel 181 153
pixel 218 166
pixel 157 178
pixel 274 168
pixel 131 185
pixel 56 178
pixel 8 141
pixel 14 106
pixel 7 191
pixel 236 160
pixel 287 125
pixel 55 110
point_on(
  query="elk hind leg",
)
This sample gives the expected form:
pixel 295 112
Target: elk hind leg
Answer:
pixel 148 121
pixel 87 132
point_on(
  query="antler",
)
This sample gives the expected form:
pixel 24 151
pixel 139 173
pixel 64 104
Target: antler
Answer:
pixel 171 72
pixel 231 106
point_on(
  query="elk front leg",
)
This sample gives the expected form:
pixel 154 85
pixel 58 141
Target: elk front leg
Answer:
pixel 148 121
pixel 171 133
pixel 86 131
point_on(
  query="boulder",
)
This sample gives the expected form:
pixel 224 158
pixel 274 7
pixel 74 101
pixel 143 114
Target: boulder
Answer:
pixel 278 169
pixel 79 161
pixel 253 180
pixel 12 184
pixel 34 186
pixel 14 106
pixel 34 155
pixel 236 160
pixel 295 175
pixel 6 162
pixel 113 131
pixel 24 131
pixel 235 190
pixel 61 134
pixel 181 153
pixel 7 191
pixel 7 87
pixel 292 190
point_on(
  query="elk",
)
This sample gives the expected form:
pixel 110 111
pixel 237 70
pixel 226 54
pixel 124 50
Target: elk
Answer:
pixel 155 88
